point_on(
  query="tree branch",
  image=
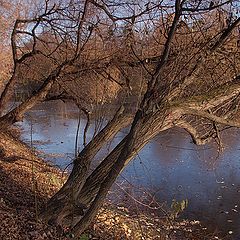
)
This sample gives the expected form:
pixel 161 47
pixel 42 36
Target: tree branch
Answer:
pixel 225 35
pixel 185 9
pixel 115 18
pixel 212 117
pixel 17 113
pixel 196 69
pixel 197 139
pixel 214 97
pixel 165 54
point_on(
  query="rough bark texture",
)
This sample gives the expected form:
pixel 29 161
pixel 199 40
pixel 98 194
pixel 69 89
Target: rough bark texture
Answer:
pixel 65 202
pixel 5 93
pixel 139 135
pixel 17 113
pixel 146 127
pixel 73 201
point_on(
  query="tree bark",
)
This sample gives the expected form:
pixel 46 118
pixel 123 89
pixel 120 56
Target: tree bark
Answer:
pixel 64 202
pixel 143 129
pixel 5 93
pixel 69 204
pixel 17 113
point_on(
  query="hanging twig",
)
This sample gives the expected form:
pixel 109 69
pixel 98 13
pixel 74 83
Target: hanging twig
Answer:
pixel 77 133
pixel 86 126
pixel 34 182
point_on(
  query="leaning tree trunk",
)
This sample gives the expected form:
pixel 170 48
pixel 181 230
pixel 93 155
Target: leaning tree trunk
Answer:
pixel 5 93
pixel 70 213
pixel 144 128
pixel 62 205
pixel 17 113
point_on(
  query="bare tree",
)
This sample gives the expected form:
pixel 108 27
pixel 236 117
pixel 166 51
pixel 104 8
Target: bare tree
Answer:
pixel 188 56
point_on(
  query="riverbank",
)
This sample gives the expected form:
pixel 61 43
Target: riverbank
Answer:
pixel 27 182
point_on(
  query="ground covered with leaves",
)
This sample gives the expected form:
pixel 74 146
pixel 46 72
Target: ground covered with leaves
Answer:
pixel 26 183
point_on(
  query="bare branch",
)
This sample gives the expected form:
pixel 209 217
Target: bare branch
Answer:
pixel 165 54
pixel 197 9
pixel 215 97
pixel 197 139
pixel 197 67
pixel 115 18
pixel 225 35
pixel 80 26
pixel 212 117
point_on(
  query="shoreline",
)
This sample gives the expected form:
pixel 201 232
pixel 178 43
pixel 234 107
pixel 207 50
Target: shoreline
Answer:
pixel 27 182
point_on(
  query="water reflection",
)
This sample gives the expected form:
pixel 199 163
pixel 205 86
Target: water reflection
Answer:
pixel 170 166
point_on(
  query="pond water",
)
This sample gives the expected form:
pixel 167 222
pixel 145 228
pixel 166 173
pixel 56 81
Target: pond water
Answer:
pixel 169 167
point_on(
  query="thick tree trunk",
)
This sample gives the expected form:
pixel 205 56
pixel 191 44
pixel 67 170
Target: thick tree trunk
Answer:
pixel 152 124
pixel 93 182
pixel 17 113
pixel 5 93
pixel 70 213
pixel 64 202
pixel 142 131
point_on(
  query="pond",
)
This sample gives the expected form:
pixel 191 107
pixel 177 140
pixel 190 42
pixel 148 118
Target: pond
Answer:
pixel 169 167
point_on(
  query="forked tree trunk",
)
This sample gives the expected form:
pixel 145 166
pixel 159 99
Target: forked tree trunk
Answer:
pixel 64 202
pixel 143 129
pixel 67 207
